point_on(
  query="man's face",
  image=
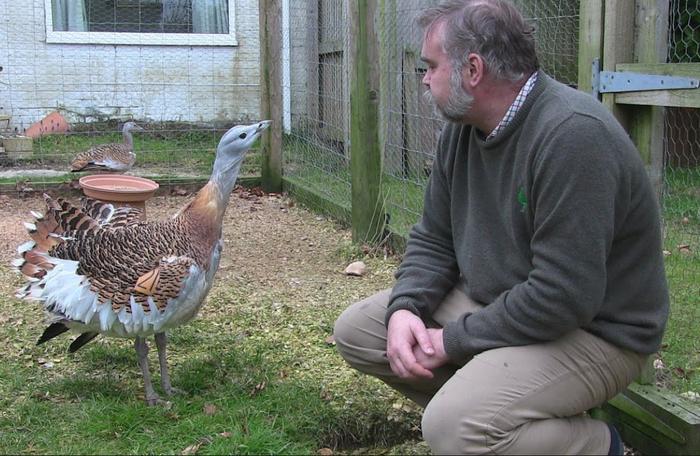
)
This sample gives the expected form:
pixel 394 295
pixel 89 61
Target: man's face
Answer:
pixel 443 81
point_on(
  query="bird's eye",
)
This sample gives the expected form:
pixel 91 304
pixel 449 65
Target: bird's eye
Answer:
pixel 243 135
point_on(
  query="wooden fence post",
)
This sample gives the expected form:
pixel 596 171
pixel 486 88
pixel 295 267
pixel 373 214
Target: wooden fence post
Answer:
pixel 647 125
pixel 590 41
pixel 365 153
pixel 271 105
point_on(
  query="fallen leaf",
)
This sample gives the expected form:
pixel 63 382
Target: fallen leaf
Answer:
pixel 330 340
pixel 325 451
pixel 259 387
pixel 209 409
pixel 192 449
pixel 691 395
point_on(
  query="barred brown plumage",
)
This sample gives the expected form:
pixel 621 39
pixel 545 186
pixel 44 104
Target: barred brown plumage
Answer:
pixel 114 157
pixel 100 269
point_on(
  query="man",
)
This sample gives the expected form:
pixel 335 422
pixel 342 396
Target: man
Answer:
pixel 533 287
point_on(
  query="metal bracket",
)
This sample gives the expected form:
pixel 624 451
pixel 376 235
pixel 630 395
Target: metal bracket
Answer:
pixel 627 81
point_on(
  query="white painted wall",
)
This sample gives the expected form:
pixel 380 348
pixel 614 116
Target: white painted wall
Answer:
pixel 207 84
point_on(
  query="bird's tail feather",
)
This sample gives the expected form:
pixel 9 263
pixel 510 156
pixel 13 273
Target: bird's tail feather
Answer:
pixel 53 330
pixel 81 340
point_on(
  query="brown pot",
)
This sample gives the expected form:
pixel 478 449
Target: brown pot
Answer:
pixel 119 189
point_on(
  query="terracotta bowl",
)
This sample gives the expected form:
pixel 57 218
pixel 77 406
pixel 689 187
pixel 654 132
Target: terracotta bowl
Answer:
pixel 118 188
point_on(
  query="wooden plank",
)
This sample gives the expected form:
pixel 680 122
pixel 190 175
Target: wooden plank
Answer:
pixel 618 47
pixel 671 98
pixel 654 421
pixel 590 41
pixel 690 70
pixel 365 154
pixel 271 103
pixel 647 125
pixel 685 98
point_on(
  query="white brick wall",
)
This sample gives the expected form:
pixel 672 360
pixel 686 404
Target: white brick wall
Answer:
pixel 154 83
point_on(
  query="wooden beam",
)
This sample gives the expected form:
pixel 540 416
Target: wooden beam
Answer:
pixel 271 104
pixel 590 41
pixel 646 127
pixel 365 154
pixel 618 47
pixel 686 98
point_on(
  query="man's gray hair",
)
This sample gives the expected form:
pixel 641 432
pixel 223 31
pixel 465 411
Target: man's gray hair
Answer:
pixel 494 29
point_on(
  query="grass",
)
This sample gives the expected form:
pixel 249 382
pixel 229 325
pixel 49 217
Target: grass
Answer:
pixel 681 350
pixel 249 388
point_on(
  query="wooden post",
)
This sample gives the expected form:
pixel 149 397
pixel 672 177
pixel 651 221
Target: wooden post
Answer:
pixel 365 154
pixel 271 105
pixel 618 47
pixel 647 125
pixel 590 41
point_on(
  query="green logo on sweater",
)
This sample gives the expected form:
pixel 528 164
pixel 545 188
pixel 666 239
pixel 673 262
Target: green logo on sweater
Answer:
pixel 522 199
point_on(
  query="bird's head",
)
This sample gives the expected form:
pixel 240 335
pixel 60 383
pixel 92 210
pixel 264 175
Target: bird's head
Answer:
pixel 238 139
pixel 132 126
pixel 232 148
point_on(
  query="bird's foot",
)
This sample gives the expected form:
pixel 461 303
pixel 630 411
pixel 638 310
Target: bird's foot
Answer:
pixel 152 399
pixel 172 391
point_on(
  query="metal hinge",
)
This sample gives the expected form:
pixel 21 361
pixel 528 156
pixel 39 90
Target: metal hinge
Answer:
pixel 627 81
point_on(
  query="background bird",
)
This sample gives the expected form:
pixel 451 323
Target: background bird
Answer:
pixel 101 270
pixel 112 157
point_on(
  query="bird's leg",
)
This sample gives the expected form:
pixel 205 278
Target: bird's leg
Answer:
pixel 161 341
pixel 142 352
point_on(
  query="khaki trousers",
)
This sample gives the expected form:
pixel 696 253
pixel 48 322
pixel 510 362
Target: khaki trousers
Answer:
pixel 514 400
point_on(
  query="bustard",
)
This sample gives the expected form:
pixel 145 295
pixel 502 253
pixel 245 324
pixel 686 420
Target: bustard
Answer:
pixel 112 157
pixel 101 270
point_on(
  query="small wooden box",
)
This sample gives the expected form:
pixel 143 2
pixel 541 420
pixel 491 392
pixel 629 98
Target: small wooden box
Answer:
pixel 17 146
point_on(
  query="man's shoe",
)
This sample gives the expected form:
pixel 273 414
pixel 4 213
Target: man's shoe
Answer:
pixel 617 446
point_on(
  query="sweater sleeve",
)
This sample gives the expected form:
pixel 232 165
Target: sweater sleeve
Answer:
pixel 429 267
pixel 577 192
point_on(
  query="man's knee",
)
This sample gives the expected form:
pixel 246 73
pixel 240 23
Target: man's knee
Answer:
pixel 448 427
pixel 345 332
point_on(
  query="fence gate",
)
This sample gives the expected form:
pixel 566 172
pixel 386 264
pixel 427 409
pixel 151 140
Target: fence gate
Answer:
pixel 641 58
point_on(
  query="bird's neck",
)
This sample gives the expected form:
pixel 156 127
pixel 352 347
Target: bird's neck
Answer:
pixel 128 139
pixel 224 174
pixel 211 201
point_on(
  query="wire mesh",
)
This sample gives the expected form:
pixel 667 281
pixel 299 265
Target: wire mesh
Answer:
pixel 679 357
pixel 411 127
pixel 100 63
pixel 316 145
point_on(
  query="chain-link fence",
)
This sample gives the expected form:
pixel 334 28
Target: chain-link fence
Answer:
pixel 183 70
pixel 316 146
pixel 680 356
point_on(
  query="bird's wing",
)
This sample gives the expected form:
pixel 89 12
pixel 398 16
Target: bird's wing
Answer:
pixel 118 280
pixel 115 157
pixel 109 215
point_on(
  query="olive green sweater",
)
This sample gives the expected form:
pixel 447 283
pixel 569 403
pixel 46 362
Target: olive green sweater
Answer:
pixel 552 225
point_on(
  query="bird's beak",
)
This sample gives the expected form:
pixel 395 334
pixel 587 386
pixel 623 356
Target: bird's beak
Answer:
pixel 263 125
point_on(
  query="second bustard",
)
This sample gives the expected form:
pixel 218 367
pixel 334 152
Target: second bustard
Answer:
pixel 114 157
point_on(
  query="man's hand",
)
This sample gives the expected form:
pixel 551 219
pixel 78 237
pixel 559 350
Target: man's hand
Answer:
pixel 407 334
pixel 439 356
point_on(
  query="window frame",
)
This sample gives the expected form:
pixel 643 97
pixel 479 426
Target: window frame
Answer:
pixel 143 39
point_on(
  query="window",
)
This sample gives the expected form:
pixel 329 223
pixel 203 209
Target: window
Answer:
pixel 141 22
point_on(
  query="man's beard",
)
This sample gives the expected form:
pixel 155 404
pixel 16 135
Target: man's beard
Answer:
pixel 458 101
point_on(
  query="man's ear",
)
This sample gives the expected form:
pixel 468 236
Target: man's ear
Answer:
pixel 473 70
